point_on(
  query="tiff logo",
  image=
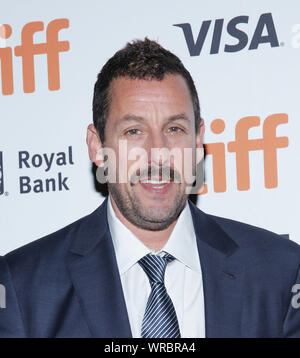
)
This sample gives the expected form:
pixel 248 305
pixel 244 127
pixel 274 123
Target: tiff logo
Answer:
pixel 265 32
pixel 242 146
pixel 27 50
pixel 2 296
pixel 1 175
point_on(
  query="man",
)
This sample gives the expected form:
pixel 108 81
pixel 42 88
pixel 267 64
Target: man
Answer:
pixel 148 262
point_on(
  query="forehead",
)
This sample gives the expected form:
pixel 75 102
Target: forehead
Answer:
pixel 172 91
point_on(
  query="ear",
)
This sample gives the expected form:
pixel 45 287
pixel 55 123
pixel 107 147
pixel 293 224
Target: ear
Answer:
pixel 199 141
pixel 94 146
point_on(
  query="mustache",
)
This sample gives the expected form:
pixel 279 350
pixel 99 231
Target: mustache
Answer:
pixel 163 173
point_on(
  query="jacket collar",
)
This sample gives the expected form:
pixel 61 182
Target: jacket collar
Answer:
pixel 94 272
pixel 211 233
pixel 94 228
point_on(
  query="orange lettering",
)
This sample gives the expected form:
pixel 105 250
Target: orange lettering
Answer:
pixel 217 150
pixel 241 147
pixel 269 143
pixel 28 49
pixel 6 62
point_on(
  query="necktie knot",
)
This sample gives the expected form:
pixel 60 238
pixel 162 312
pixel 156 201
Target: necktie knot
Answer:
pixel 155 266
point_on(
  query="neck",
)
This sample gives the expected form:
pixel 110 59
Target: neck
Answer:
pixel 154 240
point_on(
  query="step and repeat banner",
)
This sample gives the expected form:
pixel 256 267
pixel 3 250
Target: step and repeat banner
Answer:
pixel 244 57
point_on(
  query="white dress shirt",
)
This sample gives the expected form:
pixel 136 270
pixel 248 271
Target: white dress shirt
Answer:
pixel 183 278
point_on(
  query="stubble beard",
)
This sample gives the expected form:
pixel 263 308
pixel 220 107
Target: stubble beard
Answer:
pixel 132 208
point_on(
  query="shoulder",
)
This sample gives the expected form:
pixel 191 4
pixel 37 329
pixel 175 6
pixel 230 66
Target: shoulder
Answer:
pixel 260 243
pixel 46 253
pixel 246 236
pixel 47 244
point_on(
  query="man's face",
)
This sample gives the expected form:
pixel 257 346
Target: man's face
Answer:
pixel 151 114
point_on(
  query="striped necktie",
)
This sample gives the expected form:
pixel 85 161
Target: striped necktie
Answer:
pixel 160 320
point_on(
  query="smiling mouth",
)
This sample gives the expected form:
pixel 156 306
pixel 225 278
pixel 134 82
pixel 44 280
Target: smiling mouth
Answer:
pixel 155 178
pixel 156 184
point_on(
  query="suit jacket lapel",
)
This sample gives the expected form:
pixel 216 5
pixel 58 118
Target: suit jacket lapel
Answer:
pixel 93 270
pixel 95 276
pixel 222 277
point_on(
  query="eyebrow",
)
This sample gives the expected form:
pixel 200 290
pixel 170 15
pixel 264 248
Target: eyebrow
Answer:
pixel 132 117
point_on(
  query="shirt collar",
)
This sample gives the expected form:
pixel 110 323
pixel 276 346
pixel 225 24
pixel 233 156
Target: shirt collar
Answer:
pixel 129 249
pixel 182 242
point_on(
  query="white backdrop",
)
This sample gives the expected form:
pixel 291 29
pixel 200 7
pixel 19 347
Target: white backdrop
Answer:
pixel 232 85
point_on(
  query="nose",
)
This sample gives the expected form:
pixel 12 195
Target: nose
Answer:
pixel 158 151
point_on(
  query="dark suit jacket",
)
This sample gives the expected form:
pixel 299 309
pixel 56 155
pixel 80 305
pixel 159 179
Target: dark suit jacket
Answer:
pixel 67 284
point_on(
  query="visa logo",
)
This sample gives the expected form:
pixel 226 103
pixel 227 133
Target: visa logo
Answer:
pixel 264 32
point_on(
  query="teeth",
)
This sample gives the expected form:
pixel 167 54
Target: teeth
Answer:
pixel 154 182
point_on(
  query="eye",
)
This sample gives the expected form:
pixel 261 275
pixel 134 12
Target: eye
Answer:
pixel 133 131
pixel 175 129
